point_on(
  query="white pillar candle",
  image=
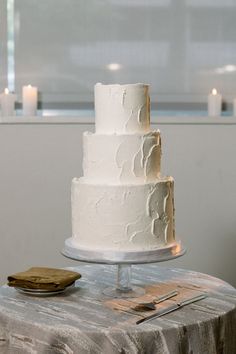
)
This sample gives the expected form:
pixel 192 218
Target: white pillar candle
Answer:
pixel 234 107
pixel 214 104
pixel 7 101
pixel 29 100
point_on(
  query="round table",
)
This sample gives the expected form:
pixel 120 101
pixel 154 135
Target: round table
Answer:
pixel 81 322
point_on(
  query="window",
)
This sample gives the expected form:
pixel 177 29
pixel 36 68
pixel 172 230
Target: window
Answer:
pixel 182 48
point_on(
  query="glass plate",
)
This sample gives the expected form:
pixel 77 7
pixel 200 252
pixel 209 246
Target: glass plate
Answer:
pixel 43 292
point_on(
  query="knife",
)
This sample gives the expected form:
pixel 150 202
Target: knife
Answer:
pixel 172 308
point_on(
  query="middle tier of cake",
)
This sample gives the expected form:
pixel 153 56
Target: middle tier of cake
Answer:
pixel 126 217
pixel 122 158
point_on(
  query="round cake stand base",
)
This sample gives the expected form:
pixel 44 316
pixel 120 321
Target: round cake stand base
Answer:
pixel 115 293
pixel 124 261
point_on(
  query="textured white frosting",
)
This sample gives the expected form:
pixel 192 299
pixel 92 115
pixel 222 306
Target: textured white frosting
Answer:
pixel 122 108
pixel 121 158
pixel 122 217
pixel 122 203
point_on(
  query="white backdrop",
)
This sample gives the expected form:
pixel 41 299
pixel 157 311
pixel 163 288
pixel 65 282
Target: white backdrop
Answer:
pixel 37 165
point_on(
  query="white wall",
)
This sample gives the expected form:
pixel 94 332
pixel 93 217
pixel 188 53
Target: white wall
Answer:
pixel 37 163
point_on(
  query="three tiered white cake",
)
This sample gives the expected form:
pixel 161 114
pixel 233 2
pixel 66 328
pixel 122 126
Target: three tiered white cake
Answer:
pixel 122 203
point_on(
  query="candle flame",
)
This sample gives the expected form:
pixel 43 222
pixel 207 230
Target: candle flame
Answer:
pixel 214 91
pixel 29 86
pixel 6 91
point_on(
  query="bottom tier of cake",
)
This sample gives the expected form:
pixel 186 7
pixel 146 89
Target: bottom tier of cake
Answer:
pixel 135 217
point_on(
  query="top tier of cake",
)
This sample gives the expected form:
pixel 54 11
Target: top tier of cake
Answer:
pixel 122 109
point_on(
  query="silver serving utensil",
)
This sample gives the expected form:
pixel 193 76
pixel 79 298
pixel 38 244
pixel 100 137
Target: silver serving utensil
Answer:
pixel 164 297
pixel 146 306
pixel 172 308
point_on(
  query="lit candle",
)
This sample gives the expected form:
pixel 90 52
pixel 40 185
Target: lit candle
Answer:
pixel 234 107
pixel 29 100
pixel 7 100
pixel 214 103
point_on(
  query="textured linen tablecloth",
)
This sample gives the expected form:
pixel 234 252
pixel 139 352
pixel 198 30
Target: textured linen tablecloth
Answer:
pixel 80 322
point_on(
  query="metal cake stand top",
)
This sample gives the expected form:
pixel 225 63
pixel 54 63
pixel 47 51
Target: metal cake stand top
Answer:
pixel 166 253
pixel 124 261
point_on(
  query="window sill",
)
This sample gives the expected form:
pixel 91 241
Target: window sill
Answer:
pixel 87 117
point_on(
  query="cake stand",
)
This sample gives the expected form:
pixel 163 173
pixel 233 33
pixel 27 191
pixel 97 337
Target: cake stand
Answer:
pixel 124 261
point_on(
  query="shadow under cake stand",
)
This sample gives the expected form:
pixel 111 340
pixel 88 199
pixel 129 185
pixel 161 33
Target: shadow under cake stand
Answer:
pixel 124 261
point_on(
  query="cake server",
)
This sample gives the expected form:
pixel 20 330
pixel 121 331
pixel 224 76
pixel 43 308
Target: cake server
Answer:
pixel 145 306
pixel 172 308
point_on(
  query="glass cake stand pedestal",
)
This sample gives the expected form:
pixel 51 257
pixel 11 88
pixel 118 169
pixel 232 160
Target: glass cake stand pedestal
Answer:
pixel 124 262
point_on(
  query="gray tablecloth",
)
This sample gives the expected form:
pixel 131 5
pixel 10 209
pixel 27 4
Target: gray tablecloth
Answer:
pixel 79 322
